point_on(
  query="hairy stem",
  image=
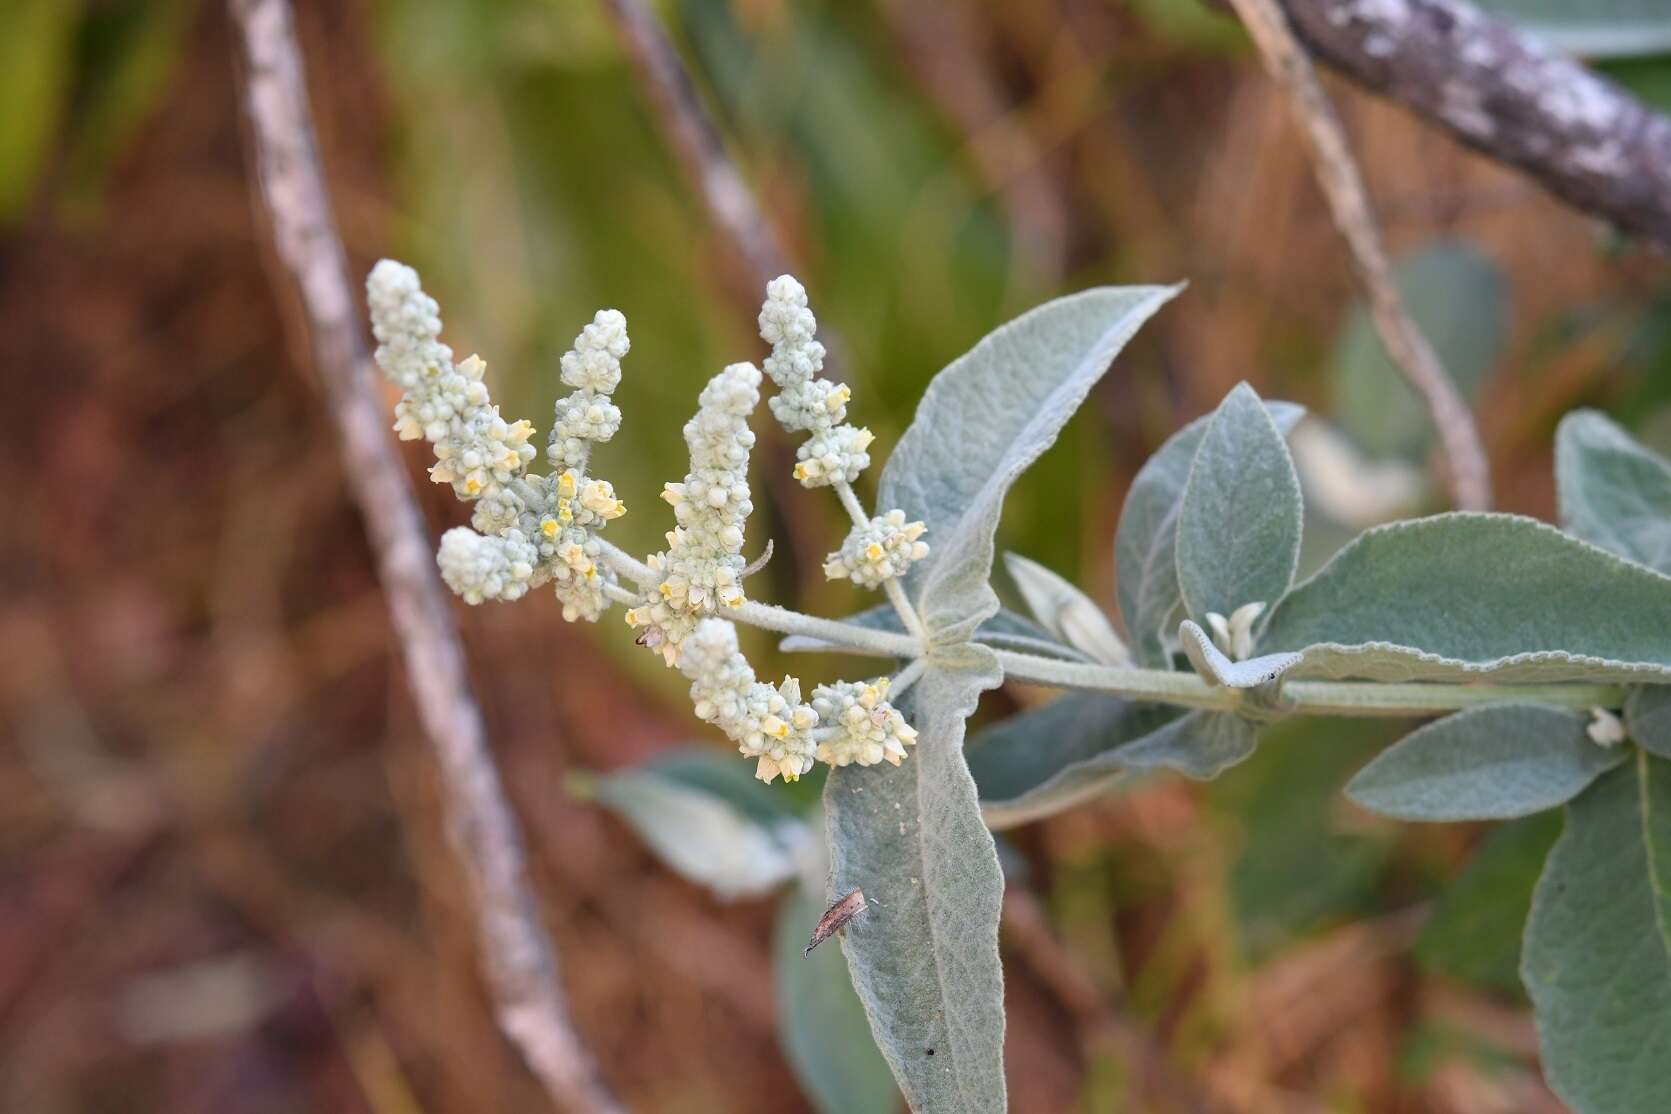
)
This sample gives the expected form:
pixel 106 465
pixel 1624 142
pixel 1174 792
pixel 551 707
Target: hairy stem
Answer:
pixel 1348 698
pixel 844 636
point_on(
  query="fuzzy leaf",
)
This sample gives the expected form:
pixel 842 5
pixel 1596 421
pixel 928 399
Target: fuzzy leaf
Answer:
pixel 1145 561
pixel 982 421
pixel 1048 759
pixel 1459 596
pixel 1239 525
pixel 1614 491
pixel 924 959
pixel 1066 612
pixel 821 1023
pixel 1489 763
pixel 709 820
pixel 1648 718
pixel 1197 744
pixel 1597 953
pixel 1210 662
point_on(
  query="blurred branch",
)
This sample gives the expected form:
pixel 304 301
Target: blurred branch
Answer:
pixel 1337 174
pixel 520 963
pixel 1028 930
pixel 1507 96
pixel 696 141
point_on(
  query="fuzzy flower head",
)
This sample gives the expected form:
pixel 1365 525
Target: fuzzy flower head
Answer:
pixel 879 550
pixel 767 722
pixel 593 368
pixel 702 569
pixel 859 725
pixel 835 453
pixel 528 529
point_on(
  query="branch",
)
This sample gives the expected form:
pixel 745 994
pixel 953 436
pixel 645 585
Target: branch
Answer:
pixel 696 141
pixel 1469 470
pixel 521 966
pixel 1500 92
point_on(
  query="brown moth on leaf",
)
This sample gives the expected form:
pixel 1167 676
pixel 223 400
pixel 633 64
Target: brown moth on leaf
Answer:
pixel 835 918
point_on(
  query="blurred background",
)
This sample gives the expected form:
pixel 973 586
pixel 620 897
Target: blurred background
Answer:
pixel 224 885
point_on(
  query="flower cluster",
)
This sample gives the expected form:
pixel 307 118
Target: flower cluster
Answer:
pixel 836 452
pixel 860 725
pixel 702 568
pixel 527 529
pixel 766 722
pixel 878 550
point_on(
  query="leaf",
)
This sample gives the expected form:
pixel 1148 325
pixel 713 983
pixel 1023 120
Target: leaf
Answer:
pixel 1198 744
pixel 1239 525
pixel 925 957
pixel 821 1023
pixel 1048 759
pixel 1459 596
pixel 710 821
pixel 1210 662
pixel 1614 491
pixel 1648 719
pixel 1592 28
pixel 1145 561
pixel 1004 631
pixel 1066 612
pixel 982 421
pixel 1459 299
pixel 1597 954
pixel 1487 763
pixel 1485 906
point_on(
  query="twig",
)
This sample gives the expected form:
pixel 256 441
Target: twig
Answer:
pixel 1286 59
pixel 520 963
pixel 1502 93
pixel 696 141
pixel 1027 929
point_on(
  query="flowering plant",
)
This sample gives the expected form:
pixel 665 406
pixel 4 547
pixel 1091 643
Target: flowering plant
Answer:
pixel 1544 652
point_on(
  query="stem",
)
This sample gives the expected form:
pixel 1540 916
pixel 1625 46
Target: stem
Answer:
pixel 906 677
pixel 845 635
pixel 625 564
pixel 1356 698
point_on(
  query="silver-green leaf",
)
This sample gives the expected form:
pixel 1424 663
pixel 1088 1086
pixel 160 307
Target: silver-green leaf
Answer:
pixel 982 421
pixel 1048 759
pixel 821 1023
pixel 1648 718
pixel 1614 491
pixel 1198 744
pixel 1145 559
pixel 1494 762
pixel 1462 595
pixel 1597 952
pixel 706 817
pixel 1066 612
pixel 924 958
pixel 1239 525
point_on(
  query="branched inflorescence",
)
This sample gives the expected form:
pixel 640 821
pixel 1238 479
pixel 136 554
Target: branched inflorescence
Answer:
pixel 527 530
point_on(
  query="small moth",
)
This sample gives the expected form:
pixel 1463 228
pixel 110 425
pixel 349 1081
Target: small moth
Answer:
pixel 835 918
